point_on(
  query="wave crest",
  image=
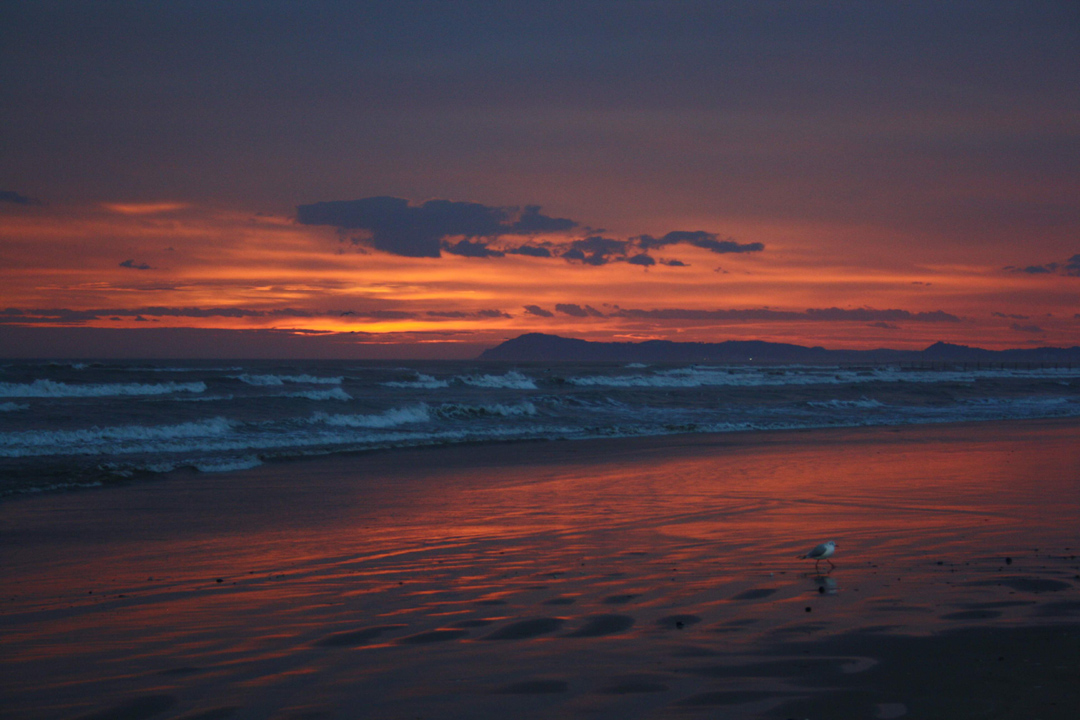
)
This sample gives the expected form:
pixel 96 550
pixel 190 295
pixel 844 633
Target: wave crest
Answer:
pixel 454 411
pixel 513 380
pixel 273 380
pixel 389 418
pixel 51 388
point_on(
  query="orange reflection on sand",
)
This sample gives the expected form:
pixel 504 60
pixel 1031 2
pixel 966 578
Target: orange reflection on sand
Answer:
pixel 384 575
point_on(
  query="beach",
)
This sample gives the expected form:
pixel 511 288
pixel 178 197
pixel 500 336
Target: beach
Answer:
pixel 607 578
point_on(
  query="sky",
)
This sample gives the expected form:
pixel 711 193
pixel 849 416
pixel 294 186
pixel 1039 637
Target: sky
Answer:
pixel 427 179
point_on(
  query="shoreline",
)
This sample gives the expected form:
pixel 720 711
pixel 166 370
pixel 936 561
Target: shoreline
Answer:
pixel 620 578
pixel 509 449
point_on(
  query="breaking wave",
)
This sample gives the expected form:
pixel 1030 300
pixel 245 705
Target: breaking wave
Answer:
pixel 51 388
pixel 423 382
pixel 389 418
pixel 334 394
pixel 264 380
pixel 450 411
pixel 513 380
pixel 97 440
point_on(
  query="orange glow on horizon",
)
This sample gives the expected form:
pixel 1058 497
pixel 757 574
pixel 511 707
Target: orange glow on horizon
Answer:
pixel 138 266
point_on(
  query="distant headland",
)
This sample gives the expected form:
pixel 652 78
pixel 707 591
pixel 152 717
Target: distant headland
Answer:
pixel 539 347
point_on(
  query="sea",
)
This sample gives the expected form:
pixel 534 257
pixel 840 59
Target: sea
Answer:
pixel 71 425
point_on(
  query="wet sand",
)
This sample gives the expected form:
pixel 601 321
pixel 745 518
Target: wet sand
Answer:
pixel 627 578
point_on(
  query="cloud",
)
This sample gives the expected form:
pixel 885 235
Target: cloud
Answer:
pixel 135 266
pixel 765 314
pixel 1026 328
pixel 10 196
pixel 474 230
pixel 460 315
pixel 530 250
pixel 880 315
pixel 531 222
pixel 42 316
pixel 596 250
pixel 144 208
pixel 1066 267
pixel 538 311
pixel 17 316
pixel 701 239
pixel 1008 316
pixel 1072 265
pixel 468 248
pixel 577 310
pixel 399 228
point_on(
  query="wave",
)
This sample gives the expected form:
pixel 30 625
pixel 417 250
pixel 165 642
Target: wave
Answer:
pixel 265 380
pixel 389 418
pixel 50 388
pixel 97 440
pixel 454 411
pixel 12 407
pixel 513 380
pixel 838 404
pixel 334 394
pixel 737 376
pixel 422 381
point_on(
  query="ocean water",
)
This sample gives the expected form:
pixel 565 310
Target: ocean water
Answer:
pixel 71 425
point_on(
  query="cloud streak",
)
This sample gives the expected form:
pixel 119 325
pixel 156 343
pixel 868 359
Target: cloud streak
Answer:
pixel 866 315
pixel 878 318
pixel 66 316
pixel 699 238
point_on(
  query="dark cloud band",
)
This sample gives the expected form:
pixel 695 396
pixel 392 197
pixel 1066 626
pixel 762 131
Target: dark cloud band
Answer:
pixel 469 229
pixel 396 227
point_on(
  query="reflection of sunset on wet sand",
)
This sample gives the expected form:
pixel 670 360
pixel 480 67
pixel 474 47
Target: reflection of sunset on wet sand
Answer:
pixel 622 578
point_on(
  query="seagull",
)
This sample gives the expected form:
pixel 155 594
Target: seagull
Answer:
pixel 824 551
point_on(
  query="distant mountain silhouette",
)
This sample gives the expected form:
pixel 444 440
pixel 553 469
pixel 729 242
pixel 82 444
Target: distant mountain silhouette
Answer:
pixel 538 347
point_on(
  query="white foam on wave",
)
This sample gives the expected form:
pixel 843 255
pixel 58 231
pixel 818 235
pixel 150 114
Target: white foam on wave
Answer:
pixel 51 388
pixel 461 410
pixel 12 407
pixel 421 382
pixel 512 380
pixel 334 394
pixel 746 376
pixel 389 418
pixel 271 380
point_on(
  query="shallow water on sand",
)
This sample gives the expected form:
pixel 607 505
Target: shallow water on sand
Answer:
pixel 612 579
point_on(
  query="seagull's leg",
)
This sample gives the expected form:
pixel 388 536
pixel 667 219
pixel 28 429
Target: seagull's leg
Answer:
pixel 831 566
pixel 817 569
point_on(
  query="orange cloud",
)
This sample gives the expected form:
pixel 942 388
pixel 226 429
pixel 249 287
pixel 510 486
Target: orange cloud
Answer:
pixel 144 208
